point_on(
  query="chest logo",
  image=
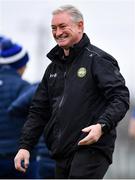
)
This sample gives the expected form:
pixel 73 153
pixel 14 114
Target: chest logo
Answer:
pixel 81 72
pixel 53 75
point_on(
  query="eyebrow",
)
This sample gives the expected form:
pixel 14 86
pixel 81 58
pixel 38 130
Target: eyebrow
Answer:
pixel 58 24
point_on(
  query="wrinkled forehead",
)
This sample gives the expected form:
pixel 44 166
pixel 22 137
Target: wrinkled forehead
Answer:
pixel 60 18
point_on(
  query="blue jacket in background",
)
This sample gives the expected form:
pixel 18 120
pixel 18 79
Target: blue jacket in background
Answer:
pixel 11 87
pixel 21 106
pixel 22 103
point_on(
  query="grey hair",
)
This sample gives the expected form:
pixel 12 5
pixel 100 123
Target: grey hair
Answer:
pixel 76 15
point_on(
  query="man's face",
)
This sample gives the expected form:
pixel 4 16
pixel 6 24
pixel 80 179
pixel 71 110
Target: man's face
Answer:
pixel 66 32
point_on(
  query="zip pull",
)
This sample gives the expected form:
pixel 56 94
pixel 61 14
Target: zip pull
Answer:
pixel 60 104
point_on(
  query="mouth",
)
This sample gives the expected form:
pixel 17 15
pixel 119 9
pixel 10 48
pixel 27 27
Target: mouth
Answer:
pixel 61 38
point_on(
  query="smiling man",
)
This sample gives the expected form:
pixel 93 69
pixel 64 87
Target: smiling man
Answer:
pixel 78 104
pixel 65 32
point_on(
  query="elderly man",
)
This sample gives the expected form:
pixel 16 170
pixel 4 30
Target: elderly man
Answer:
pixel 78 104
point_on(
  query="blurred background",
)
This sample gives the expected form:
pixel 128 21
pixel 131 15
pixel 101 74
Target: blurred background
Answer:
pixel 110 26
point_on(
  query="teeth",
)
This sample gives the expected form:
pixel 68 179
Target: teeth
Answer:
pixel 62 38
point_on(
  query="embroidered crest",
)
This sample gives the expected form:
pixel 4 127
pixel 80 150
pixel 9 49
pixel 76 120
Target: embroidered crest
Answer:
pixel 81 72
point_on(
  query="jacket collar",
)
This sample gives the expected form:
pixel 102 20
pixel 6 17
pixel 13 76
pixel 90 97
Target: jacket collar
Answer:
pixel 57 53
pixel 7 69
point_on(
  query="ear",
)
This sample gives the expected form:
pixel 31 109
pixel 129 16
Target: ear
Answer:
pixel 81 26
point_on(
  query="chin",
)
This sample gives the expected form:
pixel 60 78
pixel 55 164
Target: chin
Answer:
pixel 63 45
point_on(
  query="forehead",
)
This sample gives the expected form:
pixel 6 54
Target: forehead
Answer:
pixel 60 18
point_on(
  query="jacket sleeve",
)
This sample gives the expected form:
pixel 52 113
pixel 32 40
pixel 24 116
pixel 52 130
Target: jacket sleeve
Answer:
pixel 20 107
pixel 112 86
pixel 39 114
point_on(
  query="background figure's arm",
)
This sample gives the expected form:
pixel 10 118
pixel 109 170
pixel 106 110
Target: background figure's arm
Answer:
pixel 20 106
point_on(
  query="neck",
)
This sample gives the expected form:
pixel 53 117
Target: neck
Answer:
pixel 66 51
pixel 21 70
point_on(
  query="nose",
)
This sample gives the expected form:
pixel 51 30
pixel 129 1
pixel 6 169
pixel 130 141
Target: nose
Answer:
pixel 58 32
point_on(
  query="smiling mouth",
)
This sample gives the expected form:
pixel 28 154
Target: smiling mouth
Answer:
pixel 62 38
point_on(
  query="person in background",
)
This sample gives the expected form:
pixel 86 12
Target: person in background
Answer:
pixel 13 60
pixel 78 104
pixel 45 165
pixel 131 128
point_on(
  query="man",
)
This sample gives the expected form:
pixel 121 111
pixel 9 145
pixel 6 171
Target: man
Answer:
pixel 78 104
pixel 13 60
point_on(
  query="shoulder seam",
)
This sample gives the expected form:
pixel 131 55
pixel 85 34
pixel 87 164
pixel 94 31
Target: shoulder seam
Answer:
pixel 92 51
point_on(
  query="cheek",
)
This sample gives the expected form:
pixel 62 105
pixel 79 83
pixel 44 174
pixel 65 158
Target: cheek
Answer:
pixel 53 33
pixel 74 32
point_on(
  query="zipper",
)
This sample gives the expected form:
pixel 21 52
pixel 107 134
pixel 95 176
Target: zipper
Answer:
pixel 66 73
pixel 62 99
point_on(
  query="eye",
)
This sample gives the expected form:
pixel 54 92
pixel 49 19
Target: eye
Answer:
pixel 53 28
pixel 63 26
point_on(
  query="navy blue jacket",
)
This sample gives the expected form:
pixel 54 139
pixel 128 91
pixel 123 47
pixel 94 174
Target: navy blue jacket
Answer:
pixel 11 86
pixel 21 107
pixel 77 91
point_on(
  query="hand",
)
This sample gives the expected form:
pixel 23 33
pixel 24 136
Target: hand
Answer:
pixel 94 133
pixel 23 155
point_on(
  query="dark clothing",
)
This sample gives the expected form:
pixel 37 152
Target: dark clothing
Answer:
pixel 77 91
pixel 8 171
pixel 84 164
pixel 11 87
pixel 20 107
pixel 46 165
